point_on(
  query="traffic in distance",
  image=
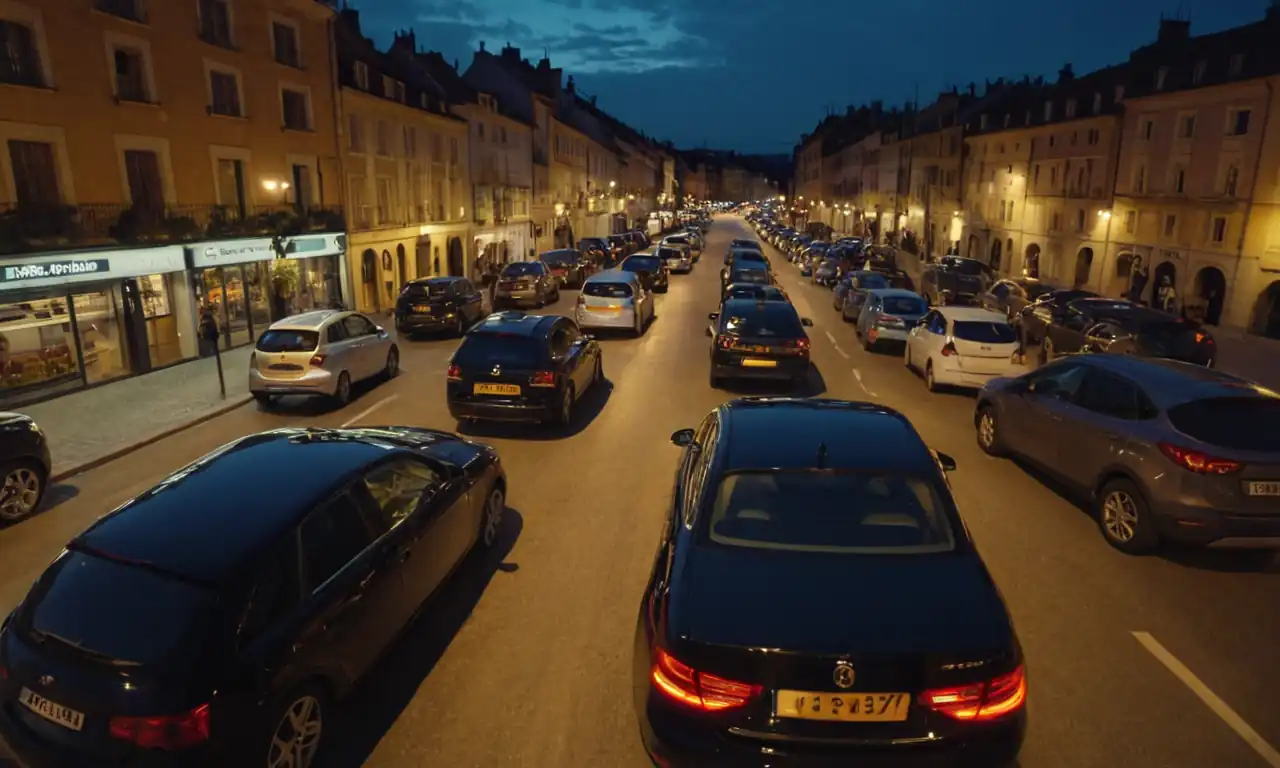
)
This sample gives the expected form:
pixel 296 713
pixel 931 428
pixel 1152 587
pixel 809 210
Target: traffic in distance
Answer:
pixel 815 597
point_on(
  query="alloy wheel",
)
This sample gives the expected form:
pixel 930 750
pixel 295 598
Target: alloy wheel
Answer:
pixel 493 508
pixel 297 737
pixel 21 493
pixel 987 430
pixel 929 382
pixel 566 407
pixel 342 393
pixel 1120 516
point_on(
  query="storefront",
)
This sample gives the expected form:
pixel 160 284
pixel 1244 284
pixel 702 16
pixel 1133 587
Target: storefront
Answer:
pixel 76 319
pixel 247 285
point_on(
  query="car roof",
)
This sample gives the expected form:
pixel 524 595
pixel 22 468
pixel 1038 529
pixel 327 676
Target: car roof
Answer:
pixel 513 323
pixel 755 287
pixel 976 314
pixel 565 251
pixel 1172 382
pixel 207 520
pixel 745 306
pixel 895 293
pixel 440 280
pixel 1119 308
pixel 308 321
pixel 787 432
pixel 614 276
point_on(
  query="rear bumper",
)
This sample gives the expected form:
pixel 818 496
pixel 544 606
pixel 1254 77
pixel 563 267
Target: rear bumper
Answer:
pixel 33 751
pixel 955 377
pixel 1204 526
pixel 786 370
pixel 519 412
pixel 623 319
pixel 418 323
pixel 314 381
pixel 894 335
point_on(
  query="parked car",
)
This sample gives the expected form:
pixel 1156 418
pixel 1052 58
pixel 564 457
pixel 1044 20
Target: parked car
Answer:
pixel 517 367
pixel 954 280
pixel 526 284
pixel 676 256
pixel 320 353
pixel 888 315
pixel 754 339
pixel 219 618
pixel 653 271
pixel 1122 327
pixel 438 304
pixel 614 299
pixel 856 281
pixel 753 291
pixel 1161 450
pixel 1011 295
pixel 855 297
pixel 685 239
pixel 568 265
pixel 962 347
pixel 743 244
pixel 25 464
pixel 746 272
pixel 1032 319
pixel 597 249
pixel 825 273
pixel 622 247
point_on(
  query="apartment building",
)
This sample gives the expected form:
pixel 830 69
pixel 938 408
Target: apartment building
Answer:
pixel 144 181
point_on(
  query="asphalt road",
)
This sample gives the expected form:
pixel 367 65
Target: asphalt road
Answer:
pixel 524 661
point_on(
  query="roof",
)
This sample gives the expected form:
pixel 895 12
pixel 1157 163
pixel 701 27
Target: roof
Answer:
pixel 972 314
pixel 785 433
pixel 207 519
pixel 306 321
pixel 613 276
pixel 1171 382
pixel 515 324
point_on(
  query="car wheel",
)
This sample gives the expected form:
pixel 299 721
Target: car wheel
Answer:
pixel 930 383
pixel 23 488
pixel 494 506
pixel 342 392
pixel 989 435
pixel 565 417
pixel 392 368
pixel 296 729
pixel 264 400
pixel 639 329
pixel 1046 350
pixel 906 357
pixel 1125 518
pixel 460 327
pixel 598 376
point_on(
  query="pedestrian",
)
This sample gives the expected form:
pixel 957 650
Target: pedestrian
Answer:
pixel 1166 296
pixel 208 333
pixel 491 284
pixel 1213 307
pixel 1137 280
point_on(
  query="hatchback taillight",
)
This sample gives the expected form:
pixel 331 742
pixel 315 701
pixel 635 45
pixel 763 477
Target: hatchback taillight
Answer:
pixel 724 342
pixel 317 360
pixel 454 373
pixel 686 685
pixel 949 349
pixel 543 379
pixel 1198 462
pixel 998 697
pixel 170 732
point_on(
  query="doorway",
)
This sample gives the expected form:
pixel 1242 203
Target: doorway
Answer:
pixel 995 254
pixel 1084 266
pixel 1210 289
pixel 402 266
pixel 369 278
pixel 422 258
pixel 457 260
pixel 1032 266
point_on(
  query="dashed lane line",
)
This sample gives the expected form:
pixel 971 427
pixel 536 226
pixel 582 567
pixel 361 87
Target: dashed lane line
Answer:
pixel 368 410
pixel 858 375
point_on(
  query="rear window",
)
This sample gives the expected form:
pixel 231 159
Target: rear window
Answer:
pixel 832 512
pixel 641 264
pixel 1236 423
pixel 782 324
pixel 903 305
pixel 591 242
pixel 607 290
pixel 558 257
pixel 522 268
pixel 288 341
pixel 117 613
pixel 669 253
pixel 479 349
pixel 872 281
pixel 419 290
pixel 984 332
pixel 758 276
pixel 748 255
pixel 964 266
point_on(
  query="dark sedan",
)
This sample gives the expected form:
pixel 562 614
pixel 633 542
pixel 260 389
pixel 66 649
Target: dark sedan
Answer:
pixel 217 619
pixel 1032 320
pixel 571 267
pixel 753 339
pixel 755 291
pixel 438 304
pixel 816 601
pixel 653 272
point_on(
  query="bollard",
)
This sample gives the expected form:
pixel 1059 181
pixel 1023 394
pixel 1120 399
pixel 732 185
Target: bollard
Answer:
pixel 217 359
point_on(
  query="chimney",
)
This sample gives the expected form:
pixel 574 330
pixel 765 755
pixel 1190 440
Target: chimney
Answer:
pixel 511 54
pixel 877 106
pixel 404 42
pixel 482 46
pixel 973 89
pixel 569 86
pixel 1066 74
pixel 1173 31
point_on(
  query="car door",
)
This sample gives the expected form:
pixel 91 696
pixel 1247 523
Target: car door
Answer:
pixel 997 298
pixel 918 339
pixel 1096 424
pixel 1039 413
pixel 1068 334
pixel 470 302
pixel 368 355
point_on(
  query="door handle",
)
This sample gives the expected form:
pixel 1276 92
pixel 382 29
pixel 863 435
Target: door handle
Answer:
pixel 365 582
pixel 405 554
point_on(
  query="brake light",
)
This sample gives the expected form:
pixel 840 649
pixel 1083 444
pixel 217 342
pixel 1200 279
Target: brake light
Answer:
pixel 802 345
pixel 454 373
pixel 1200 463
pixel 990 700
pixel 543 379
pixel 724 342
pixel 171 732
pixel 686 685
pixel 317 360
pixel 949 349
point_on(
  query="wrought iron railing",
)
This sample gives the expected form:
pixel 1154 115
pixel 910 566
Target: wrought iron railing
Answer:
pixel 28 228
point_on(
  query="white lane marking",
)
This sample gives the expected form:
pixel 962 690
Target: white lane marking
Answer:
pixel 858 375
pixel 368 410
pixel 843 354
pixel 1211 700
pixel 831 336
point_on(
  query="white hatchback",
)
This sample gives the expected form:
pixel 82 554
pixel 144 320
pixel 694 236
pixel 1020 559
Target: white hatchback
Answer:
pixel 323 352
pixel 962 347
pixel 614 299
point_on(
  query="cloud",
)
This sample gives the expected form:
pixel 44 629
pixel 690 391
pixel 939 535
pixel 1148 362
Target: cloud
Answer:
pixel 459 9
pixel 616 29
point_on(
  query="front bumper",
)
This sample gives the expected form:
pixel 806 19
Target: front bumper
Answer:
pixel 313 381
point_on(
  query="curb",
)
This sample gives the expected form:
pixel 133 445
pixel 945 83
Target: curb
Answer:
pixel 155 437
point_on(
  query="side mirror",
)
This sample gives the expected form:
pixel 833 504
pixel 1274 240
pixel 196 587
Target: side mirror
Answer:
pixel 682 438
pixel 806 322
pixel 713 316
pixel 947 463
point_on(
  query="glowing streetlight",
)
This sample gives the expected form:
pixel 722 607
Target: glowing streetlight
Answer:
pixel 1104 215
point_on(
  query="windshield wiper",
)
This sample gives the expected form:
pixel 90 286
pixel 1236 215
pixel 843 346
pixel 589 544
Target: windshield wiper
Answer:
pixel 41 636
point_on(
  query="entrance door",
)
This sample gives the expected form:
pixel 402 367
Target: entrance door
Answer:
pixel 135 326
pixel 457 267
pixel 402 268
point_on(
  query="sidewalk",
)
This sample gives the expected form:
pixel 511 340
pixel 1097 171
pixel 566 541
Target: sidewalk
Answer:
pixel 91 427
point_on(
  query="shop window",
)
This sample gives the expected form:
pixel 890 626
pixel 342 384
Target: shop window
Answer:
pixel 20 64
pixel 162 326
pixel 37 348
pixel 100 326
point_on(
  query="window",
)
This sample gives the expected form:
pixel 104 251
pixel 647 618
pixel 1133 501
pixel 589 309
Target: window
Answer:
pixel 1093 137
pixel 1053 176
pixel 1055 221
pixel 1235 65
pixel 384 138
pixel 453 150
pixel 984 332
pixel 1170 224
pixel 1198 73
pixel 1187 127
pixel 1119 93
pixel 285 44
pixel 332 537
pixel 1162 74
pixel 125 9
pixel 480 130
pixel 1219 229
pixel 355 133
pixel 1130 221
pixel 276 593
pixel 1097 103
pixel 146 185
pixel 1035 175
pixel 384 199
pixel 397 489
pixel 1238 122
pixel 35 174
pixel 1231 180
pixel 398 92
pixel 1001 210
pixel 20 62
pixel 1079 221
pixel 410 141
pixel 296 107
pixel 224 94
pixel 1147 130
pixel 362 75
pixel 1236 423
pixel 1070 109
pixel 1053 140
pixel 1114 396
pixel 357 326
pixel 215 23
pixel 1179 180
pixel 131 74
pixel 1140 179
pixel 1048 111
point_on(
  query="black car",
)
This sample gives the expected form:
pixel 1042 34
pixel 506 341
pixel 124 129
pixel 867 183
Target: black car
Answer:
pixel 596 249
pixel 755 291
pixel 754 339
pixel 621 246
pixel 1034 318
pixel 1125 328
pixel 215 619
pixel 653 271
pixel 519 367
pixel 571 267
pixel 1011 295
pixel 816 601
pixel 527 283
pixel 740 272
pixel 955 280
pixel 24 464
pixel 438 304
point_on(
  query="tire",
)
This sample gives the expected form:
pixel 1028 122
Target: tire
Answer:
pixel 1046 351
pixel 988 432
pixel 392 368
pixel 491 521
pixel 26 481
pixel 308 702
pixel 639 329
pixel 598 376
pixel 929 382
pixel 264 400
pixel 1122 511
pixel 564 415
pixel 906 357
pixel 342 390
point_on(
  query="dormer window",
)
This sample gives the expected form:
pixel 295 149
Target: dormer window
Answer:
pixel 1048 111
pixel 982 123
pixel 1008 118
pixel 1199 71
pixel 1070 108
pixel 1236 65
pixel 1119 94
pixel 1162 74
pixel 1097 103
pixel 362 76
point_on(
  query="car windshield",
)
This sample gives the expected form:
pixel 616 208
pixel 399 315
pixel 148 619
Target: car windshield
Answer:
pixel 781 323
pixel 607 290
pixel 286 340
pixel 641 264
pixel 837 512
pixel 506 349
pixel 558 258
pixel 984 332
pixel 748 255
pixel 521 269
pixel 903 305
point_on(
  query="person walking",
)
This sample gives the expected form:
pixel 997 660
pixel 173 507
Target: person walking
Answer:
pixel 208 333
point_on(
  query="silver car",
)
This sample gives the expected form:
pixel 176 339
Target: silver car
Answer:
pixel 320 353
pixel 614 299
pixel 677 257
pixel 887 316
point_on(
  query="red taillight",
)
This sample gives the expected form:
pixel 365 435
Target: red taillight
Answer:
pixel 171 732
pixel 724 342
pixel 699 690
pixel 993 699
pixel 1200 463
pixel 949 349
pixel 802 345
pixel 454 373
pixel 543 379
pixel 317 360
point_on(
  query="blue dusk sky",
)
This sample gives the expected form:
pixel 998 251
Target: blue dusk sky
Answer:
pixel 752 75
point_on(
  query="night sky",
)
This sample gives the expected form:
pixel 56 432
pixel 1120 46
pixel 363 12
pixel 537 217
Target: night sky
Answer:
pixel 752 75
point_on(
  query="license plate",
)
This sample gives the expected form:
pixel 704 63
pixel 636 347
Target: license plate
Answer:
pixel 421 308
pixel 1264 488
pixel 51 710
pixel 843 707
pixel 752 362
pixel 496 389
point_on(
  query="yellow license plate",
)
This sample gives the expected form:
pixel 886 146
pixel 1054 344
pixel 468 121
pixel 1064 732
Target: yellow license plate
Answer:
pixel 752 362
pixel 421 308
pixel 604 309
pixel 496 389
pixel 843 707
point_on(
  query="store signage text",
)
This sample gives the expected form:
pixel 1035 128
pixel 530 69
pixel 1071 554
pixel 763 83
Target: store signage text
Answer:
pixel 55 269
pixel 246 252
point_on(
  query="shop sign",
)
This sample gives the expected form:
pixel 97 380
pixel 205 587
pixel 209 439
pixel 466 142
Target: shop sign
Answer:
pixel 55 269
pixel 261 249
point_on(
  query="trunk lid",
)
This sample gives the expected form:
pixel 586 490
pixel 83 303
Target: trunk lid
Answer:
pixel 985 347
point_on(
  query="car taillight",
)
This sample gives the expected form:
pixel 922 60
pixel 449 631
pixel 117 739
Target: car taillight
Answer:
pixel 543 379
pixel 1200 463
pixel 317 360
pixel 686 685
pixel 724 342
pixel 171 732
pixel 949 349
pixel 989 700
pixel 802 345
pixel 454 373
pixel 4 673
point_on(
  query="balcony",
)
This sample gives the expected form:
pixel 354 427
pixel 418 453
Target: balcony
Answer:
pixel 32 228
